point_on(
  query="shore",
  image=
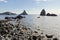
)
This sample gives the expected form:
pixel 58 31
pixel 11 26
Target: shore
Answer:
pixel 17 31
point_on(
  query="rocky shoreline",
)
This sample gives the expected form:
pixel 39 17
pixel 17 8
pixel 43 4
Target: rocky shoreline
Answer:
pixel 9 31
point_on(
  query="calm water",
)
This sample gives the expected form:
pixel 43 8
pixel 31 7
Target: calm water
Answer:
pixel 48 24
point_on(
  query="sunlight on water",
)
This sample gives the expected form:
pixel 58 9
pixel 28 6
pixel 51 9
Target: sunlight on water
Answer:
pixel 48 24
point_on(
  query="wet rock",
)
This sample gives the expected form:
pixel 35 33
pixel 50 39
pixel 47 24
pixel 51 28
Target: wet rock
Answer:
pixel 34 37
pixel 21 33
pixel 29 38
pixel 39 37
pixel 3 32
pixel 9 18
pixel 18 29
pixel 14 39
pixel 49 36
pixel 9 36
pixel 4 36
pixel 4 21
pixel 12 33
pixel 35 32
pixel 41 33
pixel 38 17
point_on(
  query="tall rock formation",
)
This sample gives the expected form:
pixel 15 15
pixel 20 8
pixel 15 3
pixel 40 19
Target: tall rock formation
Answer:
pixel 24 13
pixel 43 12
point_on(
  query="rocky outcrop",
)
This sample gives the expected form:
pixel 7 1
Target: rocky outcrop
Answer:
pixel 24 13
pixel 9 17
pixel 48 14
pixel 43 12
pixel 17 17
pixel 7 13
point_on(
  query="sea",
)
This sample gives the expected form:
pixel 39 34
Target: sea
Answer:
pixel 47 24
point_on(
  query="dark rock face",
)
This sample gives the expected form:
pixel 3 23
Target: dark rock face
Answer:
pixel 48 14
pixel 24 13
pixel 43 12
pixel 7 13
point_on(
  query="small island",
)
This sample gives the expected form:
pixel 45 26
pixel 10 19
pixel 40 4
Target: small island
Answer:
pixel 7 13
pixel 48 14
pixel 24 13
pixel 43 13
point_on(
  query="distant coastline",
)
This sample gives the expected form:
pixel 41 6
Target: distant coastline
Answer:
pixel 7 13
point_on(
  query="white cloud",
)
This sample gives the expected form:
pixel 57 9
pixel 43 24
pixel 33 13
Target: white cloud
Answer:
pixel 38 1
pixel 5 1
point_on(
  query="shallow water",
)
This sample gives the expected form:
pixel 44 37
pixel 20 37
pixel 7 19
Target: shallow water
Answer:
pixel 48 24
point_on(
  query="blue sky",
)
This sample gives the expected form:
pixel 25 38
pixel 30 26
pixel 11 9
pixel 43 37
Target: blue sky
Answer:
pixel 31 6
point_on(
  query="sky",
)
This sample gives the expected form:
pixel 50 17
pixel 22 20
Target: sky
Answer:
pixel 31 6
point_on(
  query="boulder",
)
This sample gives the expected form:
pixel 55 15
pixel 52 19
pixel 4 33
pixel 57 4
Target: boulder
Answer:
pixel 34 37
pixel 49 36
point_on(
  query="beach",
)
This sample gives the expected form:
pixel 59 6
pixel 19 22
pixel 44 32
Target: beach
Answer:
pixel 18 31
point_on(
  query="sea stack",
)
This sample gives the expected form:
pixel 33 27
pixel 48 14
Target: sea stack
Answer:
pixel 43 12
pixel 24 13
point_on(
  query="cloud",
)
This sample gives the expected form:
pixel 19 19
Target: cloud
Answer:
pixel 38 1
pixel 5 1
